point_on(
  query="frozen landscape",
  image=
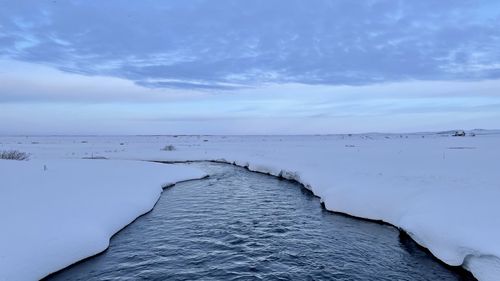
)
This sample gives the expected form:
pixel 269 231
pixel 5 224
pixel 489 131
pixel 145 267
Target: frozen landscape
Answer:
pixel 367 108
pixel 55 212
pixel 441 190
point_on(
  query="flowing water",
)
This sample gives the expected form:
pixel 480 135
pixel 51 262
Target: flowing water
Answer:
pixel 239 225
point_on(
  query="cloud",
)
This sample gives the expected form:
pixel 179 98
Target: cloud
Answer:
pixel 32 83
pixel 195 85
pixel 223 45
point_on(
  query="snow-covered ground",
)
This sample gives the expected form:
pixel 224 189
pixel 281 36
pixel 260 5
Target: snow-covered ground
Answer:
pixel 54 212
pixel 442 190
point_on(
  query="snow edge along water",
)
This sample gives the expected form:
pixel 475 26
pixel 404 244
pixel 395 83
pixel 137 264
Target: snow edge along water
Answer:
pixel 69 211
pixel 164 187
pixel 294 176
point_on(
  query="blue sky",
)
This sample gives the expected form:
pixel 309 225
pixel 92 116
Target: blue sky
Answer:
pixel 248 67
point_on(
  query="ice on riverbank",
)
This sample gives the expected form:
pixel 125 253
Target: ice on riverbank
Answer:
pixel 57 212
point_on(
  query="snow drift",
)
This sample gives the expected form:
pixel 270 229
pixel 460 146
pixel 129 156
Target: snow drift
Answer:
pixel 57 212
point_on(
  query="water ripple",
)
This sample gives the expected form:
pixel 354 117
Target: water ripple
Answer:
pixel 239 225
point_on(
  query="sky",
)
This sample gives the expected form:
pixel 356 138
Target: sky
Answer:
pixel 248 67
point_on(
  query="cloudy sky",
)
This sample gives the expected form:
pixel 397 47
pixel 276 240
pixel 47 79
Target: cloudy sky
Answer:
pixel 248 67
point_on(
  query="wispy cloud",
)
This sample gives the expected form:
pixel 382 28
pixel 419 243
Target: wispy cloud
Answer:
pixel 340 42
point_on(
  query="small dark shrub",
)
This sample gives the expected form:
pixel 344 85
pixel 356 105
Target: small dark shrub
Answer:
pixel 14 155
pixel 168 148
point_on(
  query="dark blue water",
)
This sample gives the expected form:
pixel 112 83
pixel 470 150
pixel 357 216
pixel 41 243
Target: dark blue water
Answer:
pixel 239 225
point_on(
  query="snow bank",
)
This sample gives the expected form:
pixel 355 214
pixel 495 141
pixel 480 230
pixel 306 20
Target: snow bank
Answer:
pixel 442 190
pixel 68 211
